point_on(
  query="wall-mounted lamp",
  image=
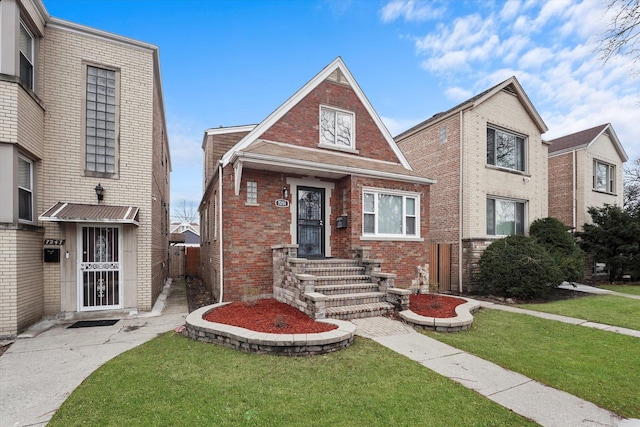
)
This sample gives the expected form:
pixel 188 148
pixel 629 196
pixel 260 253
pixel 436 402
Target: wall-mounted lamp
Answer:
pixel 285 193
pixel 99 192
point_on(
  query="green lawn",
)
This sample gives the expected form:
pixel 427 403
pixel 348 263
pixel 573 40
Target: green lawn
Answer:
pixel 625 289
pixel 598 366
pixel 174 381
pixel 607 309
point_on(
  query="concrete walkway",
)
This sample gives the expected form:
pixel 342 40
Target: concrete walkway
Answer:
pixel 531 399
pixel 38 374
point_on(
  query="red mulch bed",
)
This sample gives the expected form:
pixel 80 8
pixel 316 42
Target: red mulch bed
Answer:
pixel 434 305
pixel 267 315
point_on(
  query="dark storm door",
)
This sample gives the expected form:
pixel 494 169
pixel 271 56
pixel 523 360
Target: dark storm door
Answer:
pixel 310 222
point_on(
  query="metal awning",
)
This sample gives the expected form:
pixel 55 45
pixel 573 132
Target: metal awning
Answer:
pixel 76 212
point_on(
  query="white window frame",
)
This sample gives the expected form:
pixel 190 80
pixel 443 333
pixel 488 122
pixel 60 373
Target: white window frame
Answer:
pixel 520 154
pixel 93 107
pixel 610 177
pixel 326 142
pixel 25 189
pixel 523 220
pixel 29 58
pixel 376 192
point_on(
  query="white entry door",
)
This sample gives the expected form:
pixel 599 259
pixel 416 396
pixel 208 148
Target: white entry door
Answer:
pixel 100 269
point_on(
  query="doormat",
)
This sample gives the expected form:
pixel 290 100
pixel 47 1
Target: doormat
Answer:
pixel 92 323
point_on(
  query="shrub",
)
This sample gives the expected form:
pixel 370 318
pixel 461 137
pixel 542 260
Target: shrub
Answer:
pixel 562 245
pixel 518 267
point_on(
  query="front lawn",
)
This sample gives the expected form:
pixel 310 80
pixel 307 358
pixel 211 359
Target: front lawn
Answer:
pixel 625 289
pixel 607 309
pixel 174 381
pixel 598 366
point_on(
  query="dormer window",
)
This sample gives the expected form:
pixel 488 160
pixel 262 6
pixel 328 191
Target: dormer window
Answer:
pixel 337 128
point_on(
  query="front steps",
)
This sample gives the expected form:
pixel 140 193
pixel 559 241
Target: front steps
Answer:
pixel 350 293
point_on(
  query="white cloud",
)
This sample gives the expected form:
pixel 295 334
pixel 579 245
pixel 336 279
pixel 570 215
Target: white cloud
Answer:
pixel 396 126
pixel 458 94
pixel 510 10
pixel 409 10
pixel 536 57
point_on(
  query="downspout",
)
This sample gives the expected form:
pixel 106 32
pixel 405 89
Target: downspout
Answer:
pixel 220 235
pixel 575 191
pixel 460 206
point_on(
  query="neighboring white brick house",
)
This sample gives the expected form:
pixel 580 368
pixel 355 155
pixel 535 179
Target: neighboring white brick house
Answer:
pixel 79 108
pixel 490 164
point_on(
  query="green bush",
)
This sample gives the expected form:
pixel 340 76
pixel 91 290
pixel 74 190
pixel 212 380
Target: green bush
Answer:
pixel 562 245
pixel 518 267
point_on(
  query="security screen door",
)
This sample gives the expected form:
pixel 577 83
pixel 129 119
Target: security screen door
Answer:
pixel 310 222
pixel 100 269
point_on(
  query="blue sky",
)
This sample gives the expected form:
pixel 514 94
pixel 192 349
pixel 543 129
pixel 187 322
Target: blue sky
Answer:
pixel 227 63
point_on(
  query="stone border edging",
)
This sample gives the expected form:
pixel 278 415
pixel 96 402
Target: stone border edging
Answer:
pixel 265 343
pixel 461 322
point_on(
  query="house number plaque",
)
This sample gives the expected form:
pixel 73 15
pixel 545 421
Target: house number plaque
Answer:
pixel 282 203
pixel 54 242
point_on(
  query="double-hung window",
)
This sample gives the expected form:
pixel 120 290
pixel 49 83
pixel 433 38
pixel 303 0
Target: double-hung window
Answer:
pixel 603 176
pixel 505 217
pixel 506 150
pixel 337 128
pixel 26 56
pixel 391 214
pixel 25 189
pixel 101 120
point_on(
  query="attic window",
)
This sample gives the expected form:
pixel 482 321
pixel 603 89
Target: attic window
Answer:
pixel 337 128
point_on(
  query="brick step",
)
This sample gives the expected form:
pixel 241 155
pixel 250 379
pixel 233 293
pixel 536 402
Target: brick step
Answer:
pixel 355 299
pixel 331 263
pixel 348 288
pixel 342 280
pixel 359 311
pixel 335 271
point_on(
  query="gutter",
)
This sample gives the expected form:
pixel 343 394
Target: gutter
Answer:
pixel 460 204
pixel 220 235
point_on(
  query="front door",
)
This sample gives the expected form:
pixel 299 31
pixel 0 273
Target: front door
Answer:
pixel 310 222
pixel 100 269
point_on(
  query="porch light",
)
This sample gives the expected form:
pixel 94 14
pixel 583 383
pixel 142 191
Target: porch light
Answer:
pixel 99 192
pixel 285 193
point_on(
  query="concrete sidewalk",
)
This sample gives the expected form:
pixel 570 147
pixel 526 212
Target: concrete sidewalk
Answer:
pixel 531 399
pixel 38 374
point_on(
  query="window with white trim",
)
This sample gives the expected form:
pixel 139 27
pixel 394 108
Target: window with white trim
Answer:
pixel 604 176
pixel 252 193
pixel 337 128
pixel 505 217
pixel 101 120
pixel 506 150
pixel 25 189
pixel 390 214
pixel 26 56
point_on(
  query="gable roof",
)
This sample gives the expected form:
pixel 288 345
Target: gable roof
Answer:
pixel 336 65
pixel 510 85
pixel 584 138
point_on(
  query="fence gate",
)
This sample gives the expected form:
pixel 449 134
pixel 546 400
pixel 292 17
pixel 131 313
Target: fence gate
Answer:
pixel 176 261
pixel 440 265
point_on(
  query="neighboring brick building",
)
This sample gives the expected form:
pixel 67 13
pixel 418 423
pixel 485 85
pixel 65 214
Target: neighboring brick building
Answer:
pixel 80 109
pixel 321 173
pixel 490 165
pixel 585 170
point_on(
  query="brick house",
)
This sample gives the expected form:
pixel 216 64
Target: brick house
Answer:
pixel 320 177
pixel 490 164
pixel 81 113
pixel 585 169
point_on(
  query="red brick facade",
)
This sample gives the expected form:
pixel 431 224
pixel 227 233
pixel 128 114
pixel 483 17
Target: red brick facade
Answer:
pixel 561 193
pixel 433 157
pixel 249 230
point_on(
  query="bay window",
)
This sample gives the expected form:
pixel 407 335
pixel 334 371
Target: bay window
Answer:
pixel 25 189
